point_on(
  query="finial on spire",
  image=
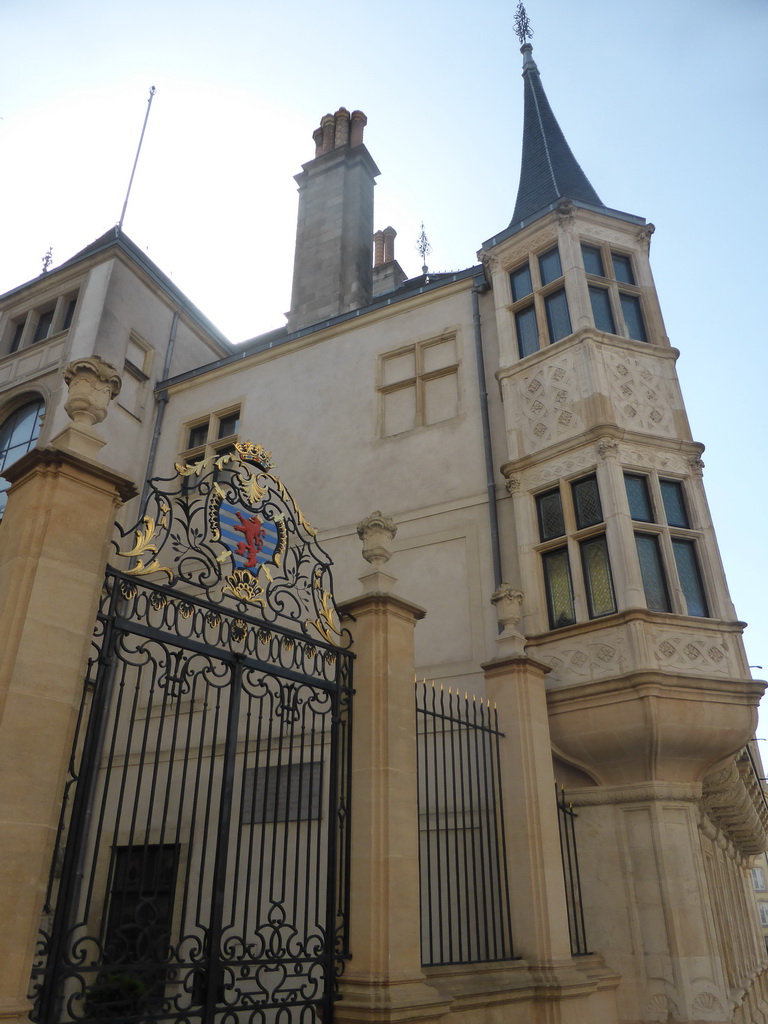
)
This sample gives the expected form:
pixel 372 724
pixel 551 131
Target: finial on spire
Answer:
pixel 523 29
pixel 423 248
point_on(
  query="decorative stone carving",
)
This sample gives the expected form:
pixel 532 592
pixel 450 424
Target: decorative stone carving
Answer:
pixel 512 484
pixel 641 398
pixel 697 464
pixel 377 532
pixel 644 236
pixel 490 262
pixel 508 603
pixel 554 471
pixel 548 399
pixel 659 1007
pixel 708 1007
pixel 733 801
pixel 598 660
pixel 565 211
pixel 655 459
pixel 607 447
pixel 710 652
pixel 92 383
pixel 642 793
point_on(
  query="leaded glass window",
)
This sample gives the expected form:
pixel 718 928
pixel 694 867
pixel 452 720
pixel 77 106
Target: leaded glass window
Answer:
pixel 633 316
pixel 43 328
pixel 550 267
pixel 550 510
pixel 558 318
pixel 557 579
pixel 652 572
pixel 639 498
pixel 522 284
pixel 18 331
pixel 690 577
pixel 615 310
pixel 198 435
pixel 622 268
pixel 18 435
pixel 593 260
pixel 601 309
pixel 586 502
pixel 674 505
pixel 229 424
pixel 597 577
pixel 527 331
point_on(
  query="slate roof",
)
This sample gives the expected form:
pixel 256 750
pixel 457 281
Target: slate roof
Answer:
pixel 549 171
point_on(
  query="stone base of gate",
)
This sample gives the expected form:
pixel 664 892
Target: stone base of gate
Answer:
pixel 407 1003
pixel 15 1013
pixel 575 992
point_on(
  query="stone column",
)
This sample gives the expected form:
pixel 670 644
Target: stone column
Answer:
pixel 384 980
pixel 647 739
pixel 515 684
pixel 53 550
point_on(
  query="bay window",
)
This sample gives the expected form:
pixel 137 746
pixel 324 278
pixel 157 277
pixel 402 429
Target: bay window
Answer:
pixel 577 572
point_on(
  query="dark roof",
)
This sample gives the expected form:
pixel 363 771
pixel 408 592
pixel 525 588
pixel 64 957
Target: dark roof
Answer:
pixel 272 339
pixel 116 237
pixel 549 171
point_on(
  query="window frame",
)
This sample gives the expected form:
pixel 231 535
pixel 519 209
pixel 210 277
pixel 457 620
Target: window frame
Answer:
pixel 617 288
pixel 22 326
pixel 418 381
pixel 214 443
pixel 25 401
pixel 574 542
pixel 539 300
pixel 668 535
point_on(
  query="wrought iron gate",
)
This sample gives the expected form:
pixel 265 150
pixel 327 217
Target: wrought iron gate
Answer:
pixel 201 869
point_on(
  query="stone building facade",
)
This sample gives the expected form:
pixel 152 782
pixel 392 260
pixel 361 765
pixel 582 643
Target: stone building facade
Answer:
pixel 545 544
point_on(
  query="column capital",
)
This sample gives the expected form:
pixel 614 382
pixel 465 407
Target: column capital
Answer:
pixel 378 601
pixel 52 460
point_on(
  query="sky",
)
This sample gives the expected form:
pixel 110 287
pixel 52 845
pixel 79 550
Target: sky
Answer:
pixel 663 103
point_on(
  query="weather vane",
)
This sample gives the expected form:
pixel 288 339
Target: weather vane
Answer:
pixel 523 28
pixel 423 248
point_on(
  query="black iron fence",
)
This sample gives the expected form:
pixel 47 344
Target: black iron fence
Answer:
pixel 465 916
pixel 567 822
pixel 201 869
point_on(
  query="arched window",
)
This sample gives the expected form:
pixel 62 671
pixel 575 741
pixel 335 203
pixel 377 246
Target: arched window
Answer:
pixel 18 434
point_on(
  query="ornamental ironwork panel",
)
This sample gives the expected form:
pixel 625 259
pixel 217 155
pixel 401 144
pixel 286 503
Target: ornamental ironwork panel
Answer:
pixel 201 866
pixel 465 911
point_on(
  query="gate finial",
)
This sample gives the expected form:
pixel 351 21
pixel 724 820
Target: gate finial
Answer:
pixel 377 532
pixel 509 606
pixel 92 383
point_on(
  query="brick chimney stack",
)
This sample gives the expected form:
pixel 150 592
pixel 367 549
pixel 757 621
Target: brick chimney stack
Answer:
pixel 387 272
pixel 332 272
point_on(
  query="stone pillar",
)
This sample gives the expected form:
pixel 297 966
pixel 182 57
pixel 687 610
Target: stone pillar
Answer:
pixel 647 739
pixel 53 550
pixel 384 980
pixel 515 684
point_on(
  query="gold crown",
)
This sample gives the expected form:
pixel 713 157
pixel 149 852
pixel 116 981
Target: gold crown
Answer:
pixel 250 452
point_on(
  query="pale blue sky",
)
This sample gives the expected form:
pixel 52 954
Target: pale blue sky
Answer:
pixel 663 103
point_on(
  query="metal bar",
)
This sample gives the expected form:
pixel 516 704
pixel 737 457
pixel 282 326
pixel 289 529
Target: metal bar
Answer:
pixel 464 880
pixel 77 837
pixel 214 980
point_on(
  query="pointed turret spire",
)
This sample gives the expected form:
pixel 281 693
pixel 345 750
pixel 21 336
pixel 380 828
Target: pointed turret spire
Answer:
pixel 549 171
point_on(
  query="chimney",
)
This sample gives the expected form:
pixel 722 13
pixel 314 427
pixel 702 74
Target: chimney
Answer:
pixel 378 248
pixel 332 272
pixel 387 273
pixel 389 244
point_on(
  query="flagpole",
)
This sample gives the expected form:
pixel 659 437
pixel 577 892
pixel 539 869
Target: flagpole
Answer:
pixel 138 151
